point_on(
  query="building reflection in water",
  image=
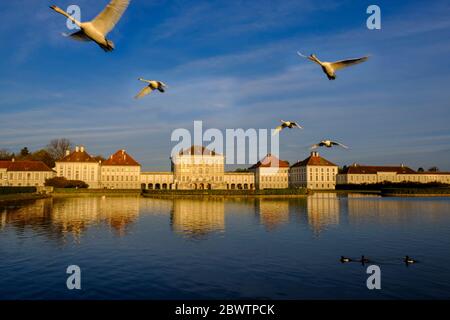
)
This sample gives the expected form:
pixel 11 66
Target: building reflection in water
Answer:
pixel 272 212
pixel 369 209
pixel 74 215
pixel 323 211
pixel 60 217
pixel 35 215
pixel 197 218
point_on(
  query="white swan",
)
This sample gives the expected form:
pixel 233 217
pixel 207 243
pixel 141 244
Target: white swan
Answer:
pixel 328 144
pixel 152 85
pixel 286 124
pixel 97 29
pixel 330 68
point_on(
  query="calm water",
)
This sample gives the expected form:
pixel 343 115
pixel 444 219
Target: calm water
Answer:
pixel 133 248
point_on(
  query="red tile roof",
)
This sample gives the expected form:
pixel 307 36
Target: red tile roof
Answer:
pixel 359 169
pixel 314 160
pixel 271 161
pixel 78 156
pixel 431 173
pixel 120 158
pixel 25 165
pixel 197 150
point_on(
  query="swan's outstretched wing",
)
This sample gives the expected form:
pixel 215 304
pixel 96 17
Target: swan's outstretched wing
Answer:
pixel 109 17
pixel 277 130
pixel 144 92
pixel 144 80
pixel 347 63
pixel 339 144
pixel 295 124
pixel 77 36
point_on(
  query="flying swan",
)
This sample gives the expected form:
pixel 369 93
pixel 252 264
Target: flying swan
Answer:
pixel 152 85
pixel 97 29
pixel 328 144
pixel 286 124
pixel 330 68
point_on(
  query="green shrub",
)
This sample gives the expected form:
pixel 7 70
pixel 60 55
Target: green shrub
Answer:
pixel 61 182
pixel 394 191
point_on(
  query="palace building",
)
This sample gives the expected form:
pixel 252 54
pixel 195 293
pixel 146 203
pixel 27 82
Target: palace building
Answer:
pixel 24 173
pixel 197 168
pixel 120 171
pixel 200 168
pixel 314 172
pixel 271 173
pixel 79 165
pixel 361 174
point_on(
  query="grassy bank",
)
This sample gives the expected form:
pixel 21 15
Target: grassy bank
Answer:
pixel 416 192
pixel 18 197
pixel 67 192
pixel 406 189
pixel 16 190
pixel 285 193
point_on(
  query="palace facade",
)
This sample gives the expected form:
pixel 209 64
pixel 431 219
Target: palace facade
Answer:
pixel 361 174
pixel 271 173
pixel 120 171
pixel 79 165
pixel 24 173
pixel 200 168
pixel 314 172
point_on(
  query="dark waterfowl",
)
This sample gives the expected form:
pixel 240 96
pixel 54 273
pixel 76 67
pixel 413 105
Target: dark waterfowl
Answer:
pixel 409 260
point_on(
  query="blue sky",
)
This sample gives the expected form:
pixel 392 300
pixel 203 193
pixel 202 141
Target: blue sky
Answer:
pixel 232 64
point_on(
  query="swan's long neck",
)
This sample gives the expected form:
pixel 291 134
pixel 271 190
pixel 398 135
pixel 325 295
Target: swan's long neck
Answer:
pixel 68 16
pixel 314 58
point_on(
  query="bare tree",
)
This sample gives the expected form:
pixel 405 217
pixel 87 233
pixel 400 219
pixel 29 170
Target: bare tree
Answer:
pixel 57 148
pixel 6 155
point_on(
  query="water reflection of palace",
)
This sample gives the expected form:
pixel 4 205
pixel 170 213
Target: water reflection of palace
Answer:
pixel 62 216
pixel 369 209
pixel 272 212
pixel 196 218
pixel 74 215
pixel 193 218
pixel 323 211
pixel 23 216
